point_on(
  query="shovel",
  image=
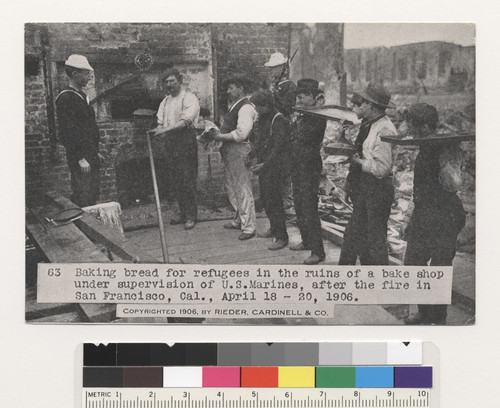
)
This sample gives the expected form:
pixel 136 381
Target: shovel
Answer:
pixel 157 198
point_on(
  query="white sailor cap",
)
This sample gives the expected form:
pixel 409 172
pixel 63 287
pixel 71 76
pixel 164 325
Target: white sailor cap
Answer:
pixel 276 59
pixel 78 61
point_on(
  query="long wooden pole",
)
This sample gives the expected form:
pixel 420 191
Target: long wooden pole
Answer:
pixel 157 199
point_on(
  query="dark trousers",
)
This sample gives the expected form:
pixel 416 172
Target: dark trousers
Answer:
pixel 182 167
pixel 85 186
pixel 366 234
pixel 270 186
pixel 432 236
pixel 305 184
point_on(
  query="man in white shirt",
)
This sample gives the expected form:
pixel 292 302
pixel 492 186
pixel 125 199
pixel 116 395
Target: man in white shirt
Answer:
pixel 234 133
pixel 177 114
pixel 369 182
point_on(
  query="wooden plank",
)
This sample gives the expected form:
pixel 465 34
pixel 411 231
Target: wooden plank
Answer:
pixel 242 249
pixel 180 241
pixel 430 141
pixel 174 240
pixel 97 312
pixel 35 310
pixel 331 112
pixel 98 232
pixel 43 239
pixel 64 243
pixel 60 318
pixel 287 257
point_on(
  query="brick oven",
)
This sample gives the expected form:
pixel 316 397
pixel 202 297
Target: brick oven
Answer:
pixel 118 88
pixel 204 53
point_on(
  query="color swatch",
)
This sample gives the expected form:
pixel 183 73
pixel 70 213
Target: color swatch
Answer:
pixel 255 365
pixel 253 354
pixel 259 377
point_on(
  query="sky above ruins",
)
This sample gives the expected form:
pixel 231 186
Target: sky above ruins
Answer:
pixel 363 35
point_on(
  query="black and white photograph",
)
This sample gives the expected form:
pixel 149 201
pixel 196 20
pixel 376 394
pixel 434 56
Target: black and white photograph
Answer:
pixel 288 144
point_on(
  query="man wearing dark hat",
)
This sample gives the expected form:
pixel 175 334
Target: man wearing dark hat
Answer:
pixel 79 133
pixel 438 215
pixel 234 134
pixel 271 149
pixel 307 136
pixel 369 182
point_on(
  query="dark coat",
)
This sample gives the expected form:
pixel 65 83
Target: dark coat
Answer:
pixel 77 127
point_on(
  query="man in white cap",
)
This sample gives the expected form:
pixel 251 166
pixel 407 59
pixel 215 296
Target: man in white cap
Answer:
pixel 79 133
pixel 284 93
pixel 283 89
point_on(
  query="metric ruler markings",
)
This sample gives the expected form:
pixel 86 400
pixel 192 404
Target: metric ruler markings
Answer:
pixel 352 398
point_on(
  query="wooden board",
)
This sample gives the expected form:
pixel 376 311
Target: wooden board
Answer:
pixel 35 310
pixel 439 139
pixel 214 244
pixel 331 112
pixel 114 241
pixel 64 243
pixel 97 312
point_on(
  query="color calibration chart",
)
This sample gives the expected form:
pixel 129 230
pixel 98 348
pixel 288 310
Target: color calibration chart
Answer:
pixel 260 375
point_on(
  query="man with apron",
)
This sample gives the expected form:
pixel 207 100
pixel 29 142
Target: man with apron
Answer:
pixel 234 134
pixel 177 115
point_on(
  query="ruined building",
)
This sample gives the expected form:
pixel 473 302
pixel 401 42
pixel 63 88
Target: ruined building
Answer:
pixel 205 53
pixel 439 66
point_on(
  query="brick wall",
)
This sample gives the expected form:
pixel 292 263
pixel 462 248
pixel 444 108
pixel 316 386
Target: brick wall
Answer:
pixel 111 49
pixel 116 136
pixel 256 41
pixel 44 171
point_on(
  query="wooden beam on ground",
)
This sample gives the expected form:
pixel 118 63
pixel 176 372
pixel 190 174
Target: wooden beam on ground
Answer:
pixel 97 312
pixel 115 242
pixel 65 244
pixel 35 310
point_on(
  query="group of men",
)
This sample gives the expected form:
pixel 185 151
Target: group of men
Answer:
pixel 259 135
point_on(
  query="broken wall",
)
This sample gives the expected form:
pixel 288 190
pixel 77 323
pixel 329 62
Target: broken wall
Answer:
pixel 437 65
pixel 319 55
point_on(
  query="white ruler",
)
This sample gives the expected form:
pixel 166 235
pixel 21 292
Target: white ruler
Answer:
pixel 257 398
